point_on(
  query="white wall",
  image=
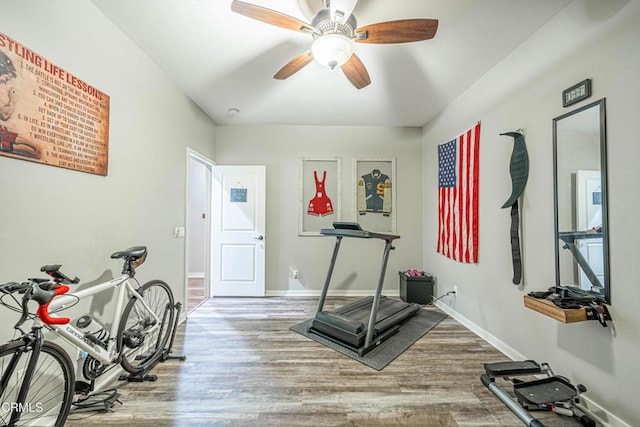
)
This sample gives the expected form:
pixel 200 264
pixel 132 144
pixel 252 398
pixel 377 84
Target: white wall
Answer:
pixel 357 268
pixel 590 39
pixel 197 224
pixel 52 215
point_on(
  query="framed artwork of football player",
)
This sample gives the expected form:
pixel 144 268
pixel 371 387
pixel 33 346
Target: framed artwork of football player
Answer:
pixel 319 194
pixel 375 201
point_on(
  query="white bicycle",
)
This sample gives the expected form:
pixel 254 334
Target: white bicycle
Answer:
pixel 37 381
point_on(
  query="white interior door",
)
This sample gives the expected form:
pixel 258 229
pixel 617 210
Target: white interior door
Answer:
pixel 589 216
pixel 238 231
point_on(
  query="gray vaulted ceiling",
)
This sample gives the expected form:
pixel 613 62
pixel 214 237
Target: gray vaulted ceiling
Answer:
pixel 223 60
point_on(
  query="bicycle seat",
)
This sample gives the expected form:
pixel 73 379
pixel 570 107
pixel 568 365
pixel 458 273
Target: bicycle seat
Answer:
pixel 135 252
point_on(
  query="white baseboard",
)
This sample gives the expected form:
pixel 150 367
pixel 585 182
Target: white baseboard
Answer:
pixel 600 414
pixel 594 410
pixel 508 351
pixel 316 293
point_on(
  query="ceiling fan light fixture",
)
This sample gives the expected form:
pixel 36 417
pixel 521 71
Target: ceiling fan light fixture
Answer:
pixel 332 50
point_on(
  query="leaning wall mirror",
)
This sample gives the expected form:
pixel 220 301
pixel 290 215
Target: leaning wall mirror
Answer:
pixel 580 199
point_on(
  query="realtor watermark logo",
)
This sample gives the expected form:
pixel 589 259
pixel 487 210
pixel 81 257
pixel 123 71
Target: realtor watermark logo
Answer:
pixel 25 408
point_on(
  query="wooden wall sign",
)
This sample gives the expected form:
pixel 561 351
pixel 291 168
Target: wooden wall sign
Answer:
pixel 48 115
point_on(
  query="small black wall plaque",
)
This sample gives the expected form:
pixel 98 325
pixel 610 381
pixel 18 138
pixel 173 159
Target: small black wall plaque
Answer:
pixel 576 93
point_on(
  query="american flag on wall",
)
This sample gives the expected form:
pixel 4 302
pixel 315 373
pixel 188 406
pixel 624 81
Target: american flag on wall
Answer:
pixel 458 162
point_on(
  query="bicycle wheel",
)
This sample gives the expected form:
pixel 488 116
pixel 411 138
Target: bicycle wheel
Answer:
pixel 50 391
pixel 142 335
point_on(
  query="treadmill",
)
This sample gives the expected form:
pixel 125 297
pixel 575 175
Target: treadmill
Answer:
pixel 364 324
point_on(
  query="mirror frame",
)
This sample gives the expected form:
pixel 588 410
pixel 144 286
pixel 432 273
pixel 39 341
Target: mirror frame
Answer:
pixel 603 176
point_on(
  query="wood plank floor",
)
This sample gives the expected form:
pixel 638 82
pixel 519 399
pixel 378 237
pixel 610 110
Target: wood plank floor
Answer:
pixel 245 367
pixel 195 293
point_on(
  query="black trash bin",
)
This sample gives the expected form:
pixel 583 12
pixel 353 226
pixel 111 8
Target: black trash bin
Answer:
pixel 417 289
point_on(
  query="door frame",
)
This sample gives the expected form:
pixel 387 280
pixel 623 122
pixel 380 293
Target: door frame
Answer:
pixel 209 164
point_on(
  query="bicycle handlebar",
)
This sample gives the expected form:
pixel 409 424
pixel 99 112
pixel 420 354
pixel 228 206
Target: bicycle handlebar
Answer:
pixel 41 291
pixel 43 308
pixel 11 287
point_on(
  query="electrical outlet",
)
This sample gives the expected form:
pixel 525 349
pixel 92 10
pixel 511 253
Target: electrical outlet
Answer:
pixel 455 289
pixel 178 232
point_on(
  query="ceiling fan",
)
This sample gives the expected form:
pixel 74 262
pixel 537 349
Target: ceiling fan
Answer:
pixel 334 30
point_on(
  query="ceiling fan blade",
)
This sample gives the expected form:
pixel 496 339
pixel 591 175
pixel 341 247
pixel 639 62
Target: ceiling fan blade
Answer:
pixel 401 31
pixel 270 16
pixel 295 65
pixel 356 72
pixel 343 8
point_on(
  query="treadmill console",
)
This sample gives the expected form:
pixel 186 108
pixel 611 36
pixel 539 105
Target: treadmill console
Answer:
pixel 346 226
pixel 353 229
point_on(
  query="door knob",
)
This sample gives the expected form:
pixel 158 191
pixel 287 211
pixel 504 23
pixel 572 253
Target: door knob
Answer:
pixel 260 237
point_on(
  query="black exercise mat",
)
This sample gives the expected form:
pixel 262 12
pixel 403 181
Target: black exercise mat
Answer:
pixel 411 330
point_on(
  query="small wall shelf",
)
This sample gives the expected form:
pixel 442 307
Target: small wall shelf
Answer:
pixel 550 309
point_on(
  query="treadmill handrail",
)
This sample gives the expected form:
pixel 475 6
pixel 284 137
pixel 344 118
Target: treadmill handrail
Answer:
pixel 358 233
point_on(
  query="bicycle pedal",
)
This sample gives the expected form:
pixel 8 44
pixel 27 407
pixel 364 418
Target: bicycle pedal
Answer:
pixel 82 387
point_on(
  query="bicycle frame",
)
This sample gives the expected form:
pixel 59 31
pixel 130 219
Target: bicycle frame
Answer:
pixel 77 337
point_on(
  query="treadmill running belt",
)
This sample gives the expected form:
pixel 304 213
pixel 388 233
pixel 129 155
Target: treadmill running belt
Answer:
pixel 349 323
pixel 386 308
